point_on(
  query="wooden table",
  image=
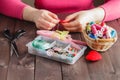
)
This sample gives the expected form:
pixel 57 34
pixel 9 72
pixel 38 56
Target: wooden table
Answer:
pixel 30 67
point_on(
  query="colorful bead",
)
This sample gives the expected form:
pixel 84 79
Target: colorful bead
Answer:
pixel 50 52
pixel 74 54
pixel 69 55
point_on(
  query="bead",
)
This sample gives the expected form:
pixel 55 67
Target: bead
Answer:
pixel 70 49
pixel 74 54
pixel 50 52
pixel 57 49
pixel 69 55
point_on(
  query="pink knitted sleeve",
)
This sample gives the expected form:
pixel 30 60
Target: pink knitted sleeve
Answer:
pixel 112 9
pixel 12 8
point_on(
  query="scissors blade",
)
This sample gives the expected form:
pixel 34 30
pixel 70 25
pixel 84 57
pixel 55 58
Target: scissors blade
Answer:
pixel 14 47
pixel 11 49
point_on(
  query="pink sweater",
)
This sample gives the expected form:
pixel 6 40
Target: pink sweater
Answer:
pixel 14 8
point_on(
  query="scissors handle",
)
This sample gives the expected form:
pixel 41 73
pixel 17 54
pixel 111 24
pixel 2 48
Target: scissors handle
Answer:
pixel 18 34
pixel 7 34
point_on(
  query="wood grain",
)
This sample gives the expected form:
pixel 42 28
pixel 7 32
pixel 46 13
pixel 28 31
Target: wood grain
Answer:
pixel 22 68
pixel 5 22
pixel 31 67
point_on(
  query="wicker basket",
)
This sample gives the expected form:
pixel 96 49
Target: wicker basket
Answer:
pixel 99 44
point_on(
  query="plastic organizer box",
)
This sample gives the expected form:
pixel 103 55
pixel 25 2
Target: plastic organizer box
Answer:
pixel 55 49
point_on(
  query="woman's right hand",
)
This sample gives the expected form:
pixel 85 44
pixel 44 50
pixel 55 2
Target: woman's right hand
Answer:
pixel 43 19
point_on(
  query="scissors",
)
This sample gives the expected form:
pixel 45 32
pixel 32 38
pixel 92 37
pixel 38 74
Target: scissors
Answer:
pixel 12 38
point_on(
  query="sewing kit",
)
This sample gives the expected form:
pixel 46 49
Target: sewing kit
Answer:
pixel 59 48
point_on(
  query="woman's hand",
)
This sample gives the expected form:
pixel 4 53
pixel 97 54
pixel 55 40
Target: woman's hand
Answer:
pixel 45 19
pixel 42 18
pixel 76 22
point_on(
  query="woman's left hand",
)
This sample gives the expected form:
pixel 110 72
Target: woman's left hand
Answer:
pixel 76 22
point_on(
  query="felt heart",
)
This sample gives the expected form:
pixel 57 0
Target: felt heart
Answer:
pixel 93 56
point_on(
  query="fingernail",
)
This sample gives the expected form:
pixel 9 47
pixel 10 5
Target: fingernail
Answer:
pixel 56 18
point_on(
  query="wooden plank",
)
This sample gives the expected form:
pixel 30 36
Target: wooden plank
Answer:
pixel 19 72
pixel 98 2
pixel 114 54
pixel 29 2
pixel 22 68
pixel 5 22
pixel 104 69
pixel 118 20
pixel 115 25
pixel 77 71
pixel 101 70
pixel 47 69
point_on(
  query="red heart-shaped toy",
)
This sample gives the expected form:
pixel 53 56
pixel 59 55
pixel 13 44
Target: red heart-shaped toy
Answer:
pixel 93 56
